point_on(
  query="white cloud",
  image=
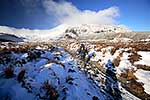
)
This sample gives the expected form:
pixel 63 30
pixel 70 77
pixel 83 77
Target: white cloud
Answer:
pixel 66 12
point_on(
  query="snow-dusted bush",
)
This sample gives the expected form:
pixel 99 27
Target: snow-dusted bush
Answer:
pixel 50 92
pixel 21 75
pixel 8 72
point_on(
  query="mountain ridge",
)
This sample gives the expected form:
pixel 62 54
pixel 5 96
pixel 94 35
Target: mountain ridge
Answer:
pixel 77 32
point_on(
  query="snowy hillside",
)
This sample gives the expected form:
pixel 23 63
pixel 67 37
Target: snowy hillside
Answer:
pixel 35 35
pixel 49 74
pixel 63 31
pixel 131 63
pixel 54 71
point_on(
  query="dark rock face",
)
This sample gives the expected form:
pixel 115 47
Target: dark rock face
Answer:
pixel 10 38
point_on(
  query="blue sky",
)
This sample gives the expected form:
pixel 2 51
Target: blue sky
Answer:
pixel 36 14
pixel 133 13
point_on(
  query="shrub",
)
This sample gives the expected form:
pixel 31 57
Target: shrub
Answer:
pixel 51 92
pixel 33 55
pixel 21 75
pixel 128 74
pixel 113 50
pixel 116 61
pixel 95 98
pixel 9 72
pixel 144 67
pixel 134 57
pixel 69 80
pixel 136 87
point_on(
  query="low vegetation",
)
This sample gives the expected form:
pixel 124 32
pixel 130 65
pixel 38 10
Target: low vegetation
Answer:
pixel 50 92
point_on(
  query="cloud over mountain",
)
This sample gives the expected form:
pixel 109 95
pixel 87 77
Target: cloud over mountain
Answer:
pixel 66 12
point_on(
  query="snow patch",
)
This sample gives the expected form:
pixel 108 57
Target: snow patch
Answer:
pixel 144 77
pixel 145 58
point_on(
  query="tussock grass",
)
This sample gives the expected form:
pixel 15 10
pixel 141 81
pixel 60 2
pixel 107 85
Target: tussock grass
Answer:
pixel 50 92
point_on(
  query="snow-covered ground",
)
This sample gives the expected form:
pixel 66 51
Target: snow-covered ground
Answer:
pixel 144 77
pixel 124 66
pixel 145 58
pixel 10 88
pixel 55 66
pixel 105 54
pixel 103 57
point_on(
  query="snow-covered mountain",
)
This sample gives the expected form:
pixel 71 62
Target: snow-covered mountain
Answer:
pixel 94 28
pixel 35 35
pixel 63 31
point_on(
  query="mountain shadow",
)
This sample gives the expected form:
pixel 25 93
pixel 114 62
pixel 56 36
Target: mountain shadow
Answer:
pixel 10 38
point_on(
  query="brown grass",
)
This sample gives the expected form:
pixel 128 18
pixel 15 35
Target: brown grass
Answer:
pixel 134 57
pixel 116 61
pixel 144 67
pixel 128 75
pixel 137 89
pixel 113 50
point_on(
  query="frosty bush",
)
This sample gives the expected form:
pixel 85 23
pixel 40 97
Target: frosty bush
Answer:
pixel 50 91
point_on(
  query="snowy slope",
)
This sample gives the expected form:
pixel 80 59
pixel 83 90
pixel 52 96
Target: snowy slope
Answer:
pixel 134 79
pixel 145 58
pixel 54 66
pixel 36 35
pixel 144 77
